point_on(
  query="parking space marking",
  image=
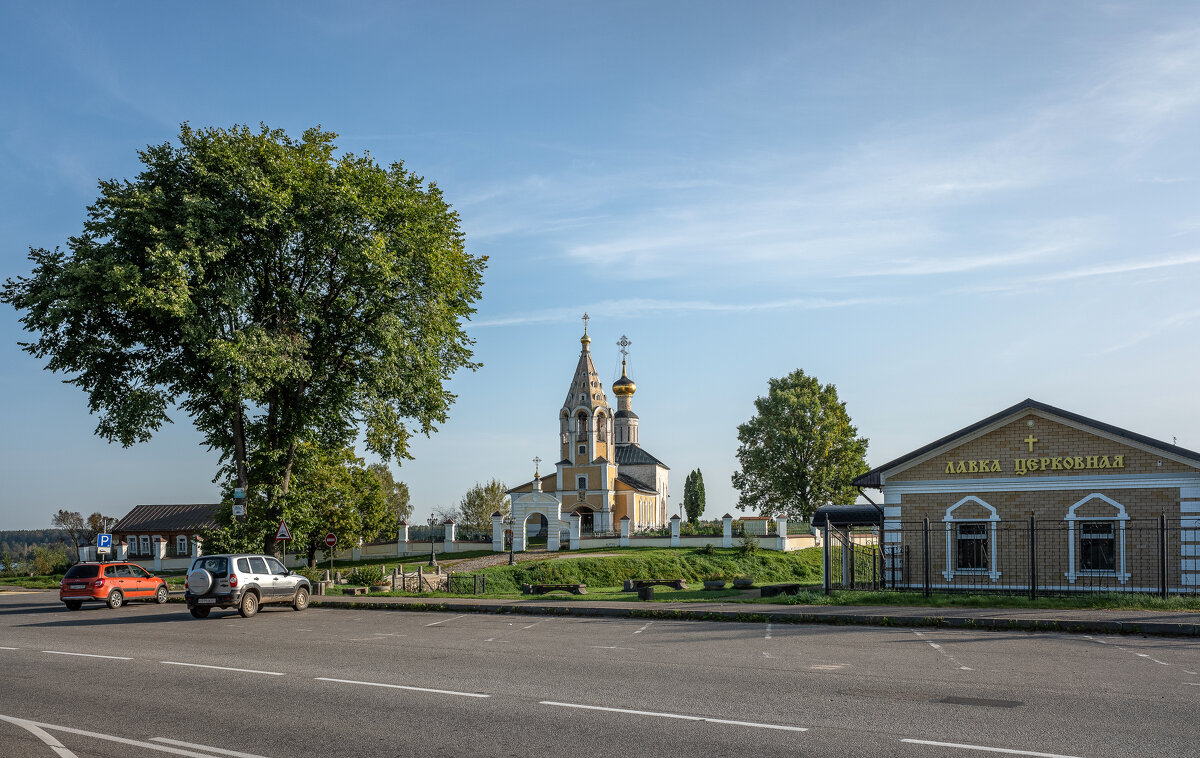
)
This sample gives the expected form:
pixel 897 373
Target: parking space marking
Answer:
pixel 461 615
pixel 222 668
pixel 986 749
pixel 50 740
pixel 941 650
pixel 609 647
pixel 767 634
pixel 216 750
pixel 644 628
pixel 680 716
pixel 89 655
pixel 400 687
pixel 1126 650
pixel 124 741
pixel 10 648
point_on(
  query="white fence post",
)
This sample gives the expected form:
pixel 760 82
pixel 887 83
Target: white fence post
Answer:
pixel 624 531
pixel 727 531
pixel 448 544
pixel 675 530
pixel 159 546
pixel 402 539
pixel 781 530
pixel 575 531
pixel 497 532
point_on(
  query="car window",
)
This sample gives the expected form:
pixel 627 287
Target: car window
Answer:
pixel 116 571
pixel 82 572
pixel 276 567
pixel 214 565
pixel 137 572
pixel 243 565
pixel 258 566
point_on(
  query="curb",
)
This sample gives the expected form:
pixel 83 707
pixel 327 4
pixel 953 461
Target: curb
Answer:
pixel 1064 625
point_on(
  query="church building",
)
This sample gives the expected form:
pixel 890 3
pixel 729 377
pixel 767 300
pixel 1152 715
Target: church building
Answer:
pixel 603 473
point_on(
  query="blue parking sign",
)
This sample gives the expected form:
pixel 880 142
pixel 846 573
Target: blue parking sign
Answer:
pixel 103 540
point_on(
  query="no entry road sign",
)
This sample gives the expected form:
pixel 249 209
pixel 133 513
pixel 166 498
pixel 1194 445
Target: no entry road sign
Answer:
pixel 331 539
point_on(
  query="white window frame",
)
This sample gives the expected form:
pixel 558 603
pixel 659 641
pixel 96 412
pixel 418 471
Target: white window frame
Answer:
pixel 1120 517
pixel 181 544
pixel 951 539
pixel 144 545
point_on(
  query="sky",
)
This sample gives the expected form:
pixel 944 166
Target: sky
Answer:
pixel 940 208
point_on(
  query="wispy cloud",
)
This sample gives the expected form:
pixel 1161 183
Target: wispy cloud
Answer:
pixel 1165 325
pixel 643 306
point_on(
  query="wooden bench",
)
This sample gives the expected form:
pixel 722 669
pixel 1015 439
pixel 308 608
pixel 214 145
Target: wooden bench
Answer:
pixel 632 585
pixel 773 590
pixel 541 589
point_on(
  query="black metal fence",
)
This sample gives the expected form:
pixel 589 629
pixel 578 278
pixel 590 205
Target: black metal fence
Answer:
pixel 1032 557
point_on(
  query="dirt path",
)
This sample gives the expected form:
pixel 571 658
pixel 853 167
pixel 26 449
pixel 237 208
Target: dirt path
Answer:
pixel 500 559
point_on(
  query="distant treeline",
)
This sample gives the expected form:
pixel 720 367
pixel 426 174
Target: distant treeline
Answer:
pixel 20 541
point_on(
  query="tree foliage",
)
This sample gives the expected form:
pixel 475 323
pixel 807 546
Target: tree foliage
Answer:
pixel 78 530
pixel 274 291
pixel 477 506
pixel 799 451
pixel 693 496
pixel 395 493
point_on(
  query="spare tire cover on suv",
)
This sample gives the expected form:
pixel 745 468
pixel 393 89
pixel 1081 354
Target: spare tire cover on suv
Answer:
pixel 199 581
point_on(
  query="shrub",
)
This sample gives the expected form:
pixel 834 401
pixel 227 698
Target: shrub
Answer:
pixel 707 550
pixel 311 574
pixel 748 546
pixel 366 575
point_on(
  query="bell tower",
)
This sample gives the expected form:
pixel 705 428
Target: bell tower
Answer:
pixel 625 421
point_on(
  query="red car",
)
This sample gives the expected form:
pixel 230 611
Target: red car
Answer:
pixel 111 583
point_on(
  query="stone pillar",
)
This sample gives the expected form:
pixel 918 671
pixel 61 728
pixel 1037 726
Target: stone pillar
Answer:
pixel 356 552
pixel 518 536
pixel 575 524
pixel 675 530
pixel 781 532
pixel 727 531
pixel 402 540
pixel 122 551
pixel 197 547
pixel 624 531
pixel 158 546
pixel 448 543
pixel 497 532
pixel 553 536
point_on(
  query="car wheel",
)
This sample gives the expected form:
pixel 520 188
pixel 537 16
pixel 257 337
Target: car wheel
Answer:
pixel 161 596
pixel 249 605
pixel 115 599
pixel 301 601
pixel 200 613
pixel 73 605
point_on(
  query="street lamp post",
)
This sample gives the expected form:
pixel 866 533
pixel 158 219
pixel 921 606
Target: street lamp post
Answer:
pixel 432 525
pixel 512 539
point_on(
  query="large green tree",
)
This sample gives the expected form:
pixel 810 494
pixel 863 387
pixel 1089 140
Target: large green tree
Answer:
pixel 78 530
pixel 693 496
pixel 799 451
pixel 275 291
pixel 477 506
pixel 394 492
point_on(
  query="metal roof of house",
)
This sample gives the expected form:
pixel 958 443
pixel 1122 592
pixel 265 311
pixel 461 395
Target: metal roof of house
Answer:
pixel 848 515
pixel 872 477
pixel 169 518
pixel 634 482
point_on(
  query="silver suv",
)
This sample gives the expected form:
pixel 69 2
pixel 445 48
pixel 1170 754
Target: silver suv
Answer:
pixel 244 582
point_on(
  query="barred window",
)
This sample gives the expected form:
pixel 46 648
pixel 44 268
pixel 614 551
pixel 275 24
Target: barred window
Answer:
pixel 972 544
pixel 1097 548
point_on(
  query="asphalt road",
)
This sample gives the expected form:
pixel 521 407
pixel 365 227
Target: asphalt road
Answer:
pixel 149 680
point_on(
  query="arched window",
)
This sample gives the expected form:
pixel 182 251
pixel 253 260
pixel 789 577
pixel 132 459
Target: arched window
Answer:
pixel 971 538
pixel 1096 542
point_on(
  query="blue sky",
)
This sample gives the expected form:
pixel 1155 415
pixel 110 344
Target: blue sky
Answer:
pixel 942 208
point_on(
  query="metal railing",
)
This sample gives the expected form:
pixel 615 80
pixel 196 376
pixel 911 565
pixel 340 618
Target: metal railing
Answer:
pixel 1031 557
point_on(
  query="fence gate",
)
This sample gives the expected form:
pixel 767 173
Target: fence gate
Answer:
pixel 847 564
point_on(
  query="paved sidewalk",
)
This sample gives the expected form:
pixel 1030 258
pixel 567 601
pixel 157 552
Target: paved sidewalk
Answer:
pixel 1027 619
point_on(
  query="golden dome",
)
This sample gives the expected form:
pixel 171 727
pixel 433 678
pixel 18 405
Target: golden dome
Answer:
pixel 623 387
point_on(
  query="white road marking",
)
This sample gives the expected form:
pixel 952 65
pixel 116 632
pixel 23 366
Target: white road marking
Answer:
pixel 217 750
pixel 938 648
pixel 50 740
pixel 644 628
pixel 828 666
pixel 768 632
pixel 767 655
pixel 400 687
pixel 89 655
pixel 1145 655
pixel 989 749
pixel 1194 684
pixel 1139 655
pixel 445 620
pixel 493 639
pixel 1193 673
pixel 10 648
pixel 676 716
pixel 124 741
pixel 531 625
pixel 609 647
pixel 222 668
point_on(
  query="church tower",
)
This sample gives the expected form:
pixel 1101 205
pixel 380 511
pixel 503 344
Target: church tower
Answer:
pixel 625 421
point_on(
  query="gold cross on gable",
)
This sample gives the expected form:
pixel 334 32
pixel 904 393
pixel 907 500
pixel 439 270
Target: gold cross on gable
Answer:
pixel 536 460
pixel 585 320
pixel 1029 441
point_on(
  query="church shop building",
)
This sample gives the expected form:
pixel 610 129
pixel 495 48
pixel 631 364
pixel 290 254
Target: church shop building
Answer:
pixel 1039 497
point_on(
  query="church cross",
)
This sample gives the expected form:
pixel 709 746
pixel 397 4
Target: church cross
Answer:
pixel 624 343
pixel 1029 441
pixel 536 460
pixel 585 320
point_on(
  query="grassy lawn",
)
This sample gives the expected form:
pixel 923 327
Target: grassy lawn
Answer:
pixel 49 582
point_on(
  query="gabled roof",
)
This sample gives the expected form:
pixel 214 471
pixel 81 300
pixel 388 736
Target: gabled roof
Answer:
pixel 551 478
pixel 872 477
pixel 633 454
pixel 169 518
pixel 636 483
